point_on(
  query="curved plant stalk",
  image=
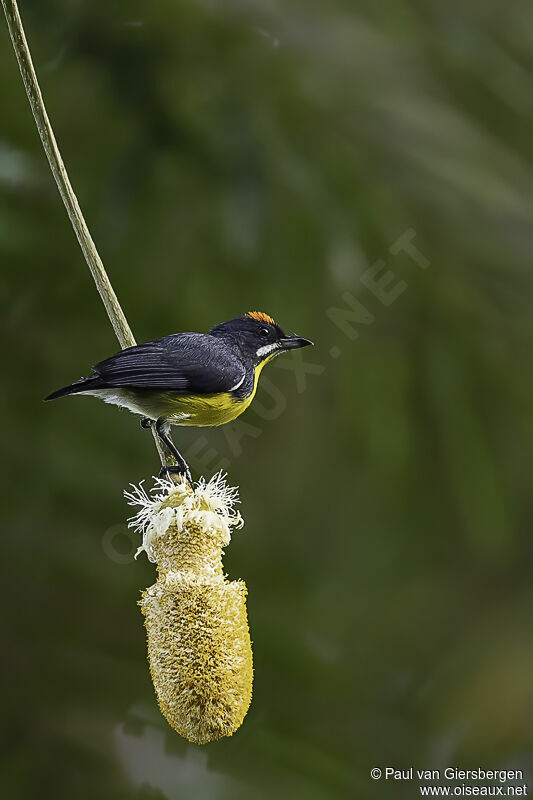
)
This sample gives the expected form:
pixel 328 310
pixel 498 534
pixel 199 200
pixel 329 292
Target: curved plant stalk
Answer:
pixel 103 284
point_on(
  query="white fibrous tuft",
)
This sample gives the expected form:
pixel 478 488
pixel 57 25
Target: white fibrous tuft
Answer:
pixel 210 505
pixel 199 645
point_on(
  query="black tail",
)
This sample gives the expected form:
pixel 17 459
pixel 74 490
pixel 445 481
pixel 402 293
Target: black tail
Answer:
pixel 83 385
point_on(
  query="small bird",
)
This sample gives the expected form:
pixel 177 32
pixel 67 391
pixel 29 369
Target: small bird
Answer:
pixel 189 378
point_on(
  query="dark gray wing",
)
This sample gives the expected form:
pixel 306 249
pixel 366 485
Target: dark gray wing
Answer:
pixel 184 362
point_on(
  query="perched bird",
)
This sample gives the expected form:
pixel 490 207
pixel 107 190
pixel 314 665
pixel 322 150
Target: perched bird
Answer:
pixel 189 378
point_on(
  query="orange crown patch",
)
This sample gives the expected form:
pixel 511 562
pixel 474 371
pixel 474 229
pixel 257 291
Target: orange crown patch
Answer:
pixel 260 316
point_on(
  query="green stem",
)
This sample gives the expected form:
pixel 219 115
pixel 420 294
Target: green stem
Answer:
pixel 103 284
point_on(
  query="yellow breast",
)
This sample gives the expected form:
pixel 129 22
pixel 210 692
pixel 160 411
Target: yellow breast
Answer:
pixel 209 409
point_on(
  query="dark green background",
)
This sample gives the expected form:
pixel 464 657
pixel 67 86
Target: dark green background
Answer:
pixel 237 155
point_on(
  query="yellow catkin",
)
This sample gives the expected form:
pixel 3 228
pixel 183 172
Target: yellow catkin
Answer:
pixel 199 645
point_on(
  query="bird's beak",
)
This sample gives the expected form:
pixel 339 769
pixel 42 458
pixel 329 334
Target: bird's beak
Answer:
pixel 292 342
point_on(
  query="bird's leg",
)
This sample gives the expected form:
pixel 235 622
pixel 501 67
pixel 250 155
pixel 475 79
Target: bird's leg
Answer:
pixel 163 431
pixel 166 468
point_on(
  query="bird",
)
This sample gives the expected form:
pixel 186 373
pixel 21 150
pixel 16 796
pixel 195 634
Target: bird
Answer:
pixel 193 379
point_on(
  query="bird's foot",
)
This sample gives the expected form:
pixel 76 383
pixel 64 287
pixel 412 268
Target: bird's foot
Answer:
pixel 146 422
pixel 164 472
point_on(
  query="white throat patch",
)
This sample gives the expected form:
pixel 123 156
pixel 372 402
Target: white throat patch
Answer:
pixel 266 349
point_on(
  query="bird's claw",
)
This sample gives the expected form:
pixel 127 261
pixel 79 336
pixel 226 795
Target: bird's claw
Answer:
pixel 146 422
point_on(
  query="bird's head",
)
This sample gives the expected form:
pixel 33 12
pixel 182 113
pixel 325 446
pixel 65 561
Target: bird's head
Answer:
pixel 258 336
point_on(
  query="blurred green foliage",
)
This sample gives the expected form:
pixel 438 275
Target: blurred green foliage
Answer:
pixel 240 155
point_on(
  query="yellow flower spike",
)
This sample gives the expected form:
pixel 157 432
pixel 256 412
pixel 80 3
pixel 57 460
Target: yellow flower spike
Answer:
pixel 199 645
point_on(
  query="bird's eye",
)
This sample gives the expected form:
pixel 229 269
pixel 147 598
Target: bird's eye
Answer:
pixel 264 332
